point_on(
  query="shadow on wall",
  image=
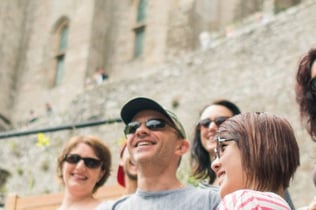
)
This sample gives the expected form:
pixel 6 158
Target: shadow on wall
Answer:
pixel 4 175
pixel 5 123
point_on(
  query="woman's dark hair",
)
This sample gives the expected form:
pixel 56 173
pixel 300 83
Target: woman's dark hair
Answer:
pixel 305 98
pixel 229 105
pixel 200 158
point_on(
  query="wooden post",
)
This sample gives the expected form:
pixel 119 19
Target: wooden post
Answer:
pixel 10 202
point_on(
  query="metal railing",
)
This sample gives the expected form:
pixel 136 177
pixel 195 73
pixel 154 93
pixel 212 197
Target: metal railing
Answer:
pixel 4 135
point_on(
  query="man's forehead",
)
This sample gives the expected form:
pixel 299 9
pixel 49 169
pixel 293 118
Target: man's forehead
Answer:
pixel 149 114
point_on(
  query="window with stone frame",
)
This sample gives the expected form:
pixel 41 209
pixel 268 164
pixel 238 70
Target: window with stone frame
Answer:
pixel 61 34
pixel 139 28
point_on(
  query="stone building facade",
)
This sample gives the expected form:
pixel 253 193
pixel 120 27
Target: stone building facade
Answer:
pixel 252 64
pixel 51 49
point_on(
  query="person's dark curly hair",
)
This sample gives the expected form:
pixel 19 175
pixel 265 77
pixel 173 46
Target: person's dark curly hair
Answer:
pixel 305 98
pixel 200 158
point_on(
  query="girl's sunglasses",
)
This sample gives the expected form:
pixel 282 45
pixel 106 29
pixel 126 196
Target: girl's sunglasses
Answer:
pixel 218 120
pixel 151 124
pixel 220 145
pixel 89 162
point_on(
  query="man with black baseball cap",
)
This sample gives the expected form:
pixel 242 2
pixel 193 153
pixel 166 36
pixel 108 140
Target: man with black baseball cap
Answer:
pixel 156 141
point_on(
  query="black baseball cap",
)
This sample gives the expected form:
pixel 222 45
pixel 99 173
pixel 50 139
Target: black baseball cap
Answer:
pixel 132 107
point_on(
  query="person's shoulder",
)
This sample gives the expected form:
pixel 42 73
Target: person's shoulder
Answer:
pixel 104 205
pixel 202 196
pixel 204 185
pixel 210 193
pixel 122 200
pixel 209 189
pixel 259 195
pixel 251 199
pixel 110 204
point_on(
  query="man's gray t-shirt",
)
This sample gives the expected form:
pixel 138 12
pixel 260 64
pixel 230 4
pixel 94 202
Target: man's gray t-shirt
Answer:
pixel 188 198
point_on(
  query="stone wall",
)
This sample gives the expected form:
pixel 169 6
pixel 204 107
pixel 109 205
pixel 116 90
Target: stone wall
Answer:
pixel 101 33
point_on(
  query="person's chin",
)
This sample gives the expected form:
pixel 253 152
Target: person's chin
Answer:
pixel 210 148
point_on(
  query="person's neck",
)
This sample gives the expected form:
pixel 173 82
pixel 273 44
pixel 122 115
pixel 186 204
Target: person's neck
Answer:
pixel 158 182
pixel 131 185
pixel 152 185
pixel 158 177
pixel 77 202
pixel 281 192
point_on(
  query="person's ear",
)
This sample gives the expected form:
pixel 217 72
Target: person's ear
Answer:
pixel 121 163
pixel 182 147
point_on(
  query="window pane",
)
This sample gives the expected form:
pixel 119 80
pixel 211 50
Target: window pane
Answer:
pixel 63 38
pixel 141 12
pixel 139 41
pixel 59 70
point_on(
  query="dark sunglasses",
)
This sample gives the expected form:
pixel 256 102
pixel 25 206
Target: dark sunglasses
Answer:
pixel 313 85
pixel 151 124
pixel 89 162
pixel 218 121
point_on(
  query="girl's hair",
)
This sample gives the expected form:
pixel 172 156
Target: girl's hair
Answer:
pixel 268 147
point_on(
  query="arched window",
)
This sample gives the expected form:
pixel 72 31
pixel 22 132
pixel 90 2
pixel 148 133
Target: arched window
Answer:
pixel 61 37
pixel 141 10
